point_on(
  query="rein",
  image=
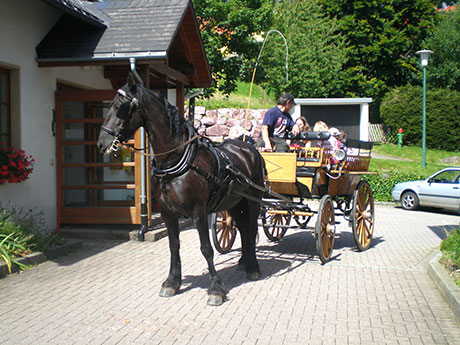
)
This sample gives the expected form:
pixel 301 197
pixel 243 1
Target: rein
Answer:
pixel 139 151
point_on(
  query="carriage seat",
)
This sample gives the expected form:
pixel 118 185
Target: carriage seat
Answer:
pixel 307 159
pixel 305 172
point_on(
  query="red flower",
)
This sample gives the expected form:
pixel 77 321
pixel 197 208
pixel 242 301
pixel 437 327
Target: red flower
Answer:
pixel 15 166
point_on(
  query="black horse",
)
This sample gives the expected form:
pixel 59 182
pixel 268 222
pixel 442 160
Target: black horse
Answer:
pixel 192 178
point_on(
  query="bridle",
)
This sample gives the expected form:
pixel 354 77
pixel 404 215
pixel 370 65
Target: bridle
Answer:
pixel 117 137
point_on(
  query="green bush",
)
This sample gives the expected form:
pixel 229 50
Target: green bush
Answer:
pixel 382 183
pixel 451 247
pixel 402 108
pixel 22 232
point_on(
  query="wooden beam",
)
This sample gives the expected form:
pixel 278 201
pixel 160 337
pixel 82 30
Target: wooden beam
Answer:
pixel 189 56
pixel 170 72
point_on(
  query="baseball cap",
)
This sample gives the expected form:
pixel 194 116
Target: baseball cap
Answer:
pixel 289 97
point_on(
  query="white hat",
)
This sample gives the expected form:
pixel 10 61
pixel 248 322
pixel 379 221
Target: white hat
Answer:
pixel 334 131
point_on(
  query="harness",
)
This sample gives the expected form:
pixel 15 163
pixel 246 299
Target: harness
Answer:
pixel 223 180
pixel 183 165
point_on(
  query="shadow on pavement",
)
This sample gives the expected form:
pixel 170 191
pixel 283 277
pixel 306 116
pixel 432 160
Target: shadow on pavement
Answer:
pixel 442 231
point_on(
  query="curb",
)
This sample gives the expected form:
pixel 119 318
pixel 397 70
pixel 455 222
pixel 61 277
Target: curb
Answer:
pixel 449 290
pixel 154 233
pixel 40 257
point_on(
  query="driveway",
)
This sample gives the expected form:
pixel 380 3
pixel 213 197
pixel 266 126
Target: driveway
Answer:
pixel 108 292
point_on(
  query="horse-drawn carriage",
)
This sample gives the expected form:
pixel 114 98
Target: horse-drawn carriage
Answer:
pixel 192 178
pixel 308 173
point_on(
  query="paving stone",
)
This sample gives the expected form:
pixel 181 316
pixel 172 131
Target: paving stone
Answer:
pixel 107 293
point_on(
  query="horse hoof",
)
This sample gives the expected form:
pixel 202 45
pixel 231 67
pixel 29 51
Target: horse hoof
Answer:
pixel 253 275
pixel 215 300
pixel 167 292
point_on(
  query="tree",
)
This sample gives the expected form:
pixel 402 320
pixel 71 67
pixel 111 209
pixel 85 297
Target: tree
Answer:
pixel 402 108
pixel 228 29
pixel 383 36
pixel 316 52
pixel 444 40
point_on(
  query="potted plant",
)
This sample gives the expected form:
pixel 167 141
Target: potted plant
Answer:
pixel 15 165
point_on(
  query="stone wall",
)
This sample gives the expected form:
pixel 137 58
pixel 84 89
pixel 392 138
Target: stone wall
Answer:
pixel 226 123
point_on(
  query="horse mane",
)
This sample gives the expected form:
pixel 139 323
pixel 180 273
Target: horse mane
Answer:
pixel 176 121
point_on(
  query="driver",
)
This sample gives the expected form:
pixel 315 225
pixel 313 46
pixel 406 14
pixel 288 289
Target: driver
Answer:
pixel 277 124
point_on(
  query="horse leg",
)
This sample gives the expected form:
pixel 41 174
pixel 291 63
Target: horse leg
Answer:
pixel 217 291
pixel 245 215
pixel 172 284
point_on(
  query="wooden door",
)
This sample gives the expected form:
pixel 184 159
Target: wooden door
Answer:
pixel 93 188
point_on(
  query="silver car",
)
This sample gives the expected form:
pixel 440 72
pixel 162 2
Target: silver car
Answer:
pixel 441 189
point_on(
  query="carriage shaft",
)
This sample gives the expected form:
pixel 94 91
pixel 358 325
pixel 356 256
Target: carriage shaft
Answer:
pixel 294 213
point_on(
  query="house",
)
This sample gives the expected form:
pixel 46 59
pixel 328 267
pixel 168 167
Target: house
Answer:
pixel 61 62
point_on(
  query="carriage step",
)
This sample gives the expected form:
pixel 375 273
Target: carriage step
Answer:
pixel 305 172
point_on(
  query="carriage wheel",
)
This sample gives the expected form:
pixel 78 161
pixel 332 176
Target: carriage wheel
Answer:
pixel 363 215
pixel 223 231
pixel 325 229
pixel 275 225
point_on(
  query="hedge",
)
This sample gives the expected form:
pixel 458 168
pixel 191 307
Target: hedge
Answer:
pixel 402 108
pixel 382 183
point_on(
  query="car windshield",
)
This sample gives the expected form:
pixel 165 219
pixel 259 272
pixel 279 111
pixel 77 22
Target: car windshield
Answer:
pixel 448 176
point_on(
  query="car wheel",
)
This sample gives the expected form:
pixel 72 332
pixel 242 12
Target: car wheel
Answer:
pixel 409 201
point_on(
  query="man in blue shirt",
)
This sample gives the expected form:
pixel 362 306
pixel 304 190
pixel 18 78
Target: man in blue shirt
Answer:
pixel 276 125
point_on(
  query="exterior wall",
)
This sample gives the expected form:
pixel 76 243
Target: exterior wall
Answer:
pixel 22 27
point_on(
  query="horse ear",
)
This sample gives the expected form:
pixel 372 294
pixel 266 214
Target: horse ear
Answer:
pixel 131 82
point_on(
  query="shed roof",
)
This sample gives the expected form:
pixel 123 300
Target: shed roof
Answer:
pixel 160 33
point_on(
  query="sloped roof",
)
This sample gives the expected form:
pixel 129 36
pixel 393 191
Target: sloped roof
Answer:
pixel 77 9
pixel 151 27
pixel 104 32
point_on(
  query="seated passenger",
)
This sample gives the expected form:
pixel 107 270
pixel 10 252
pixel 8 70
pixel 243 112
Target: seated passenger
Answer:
pixel 321 126
pixel 333 140
pixel 303 125
pixel 276 125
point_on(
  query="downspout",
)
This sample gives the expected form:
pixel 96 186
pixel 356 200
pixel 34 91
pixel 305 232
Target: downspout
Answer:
pixel 143 196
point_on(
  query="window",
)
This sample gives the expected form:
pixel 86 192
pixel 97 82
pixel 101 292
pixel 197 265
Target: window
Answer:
pixel 5 108
pixel 448 176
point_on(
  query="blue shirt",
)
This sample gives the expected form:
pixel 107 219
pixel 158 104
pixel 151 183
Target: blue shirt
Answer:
pixel 278 122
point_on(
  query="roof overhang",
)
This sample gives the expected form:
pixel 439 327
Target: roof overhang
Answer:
pixel 179 56
pixel 332 101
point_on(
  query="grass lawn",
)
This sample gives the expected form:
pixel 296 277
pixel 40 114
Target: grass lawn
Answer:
pixel 412 162
pixel 239 99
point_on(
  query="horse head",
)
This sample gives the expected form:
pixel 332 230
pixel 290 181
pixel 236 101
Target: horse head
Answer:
pixel 123 118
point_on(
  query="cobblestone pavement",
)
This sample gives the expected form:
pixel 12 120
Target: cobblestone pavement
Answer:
pixel 108 292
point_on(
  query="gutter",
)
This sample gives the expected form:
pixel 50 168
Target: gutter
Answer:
pixel 100 57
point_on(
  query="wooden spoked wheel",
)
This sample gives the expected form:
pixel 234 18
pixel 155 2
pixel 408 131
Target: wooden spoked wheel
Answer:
pixel 363 215
pixel 275 225
pixel 325 229
pixel 223 231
